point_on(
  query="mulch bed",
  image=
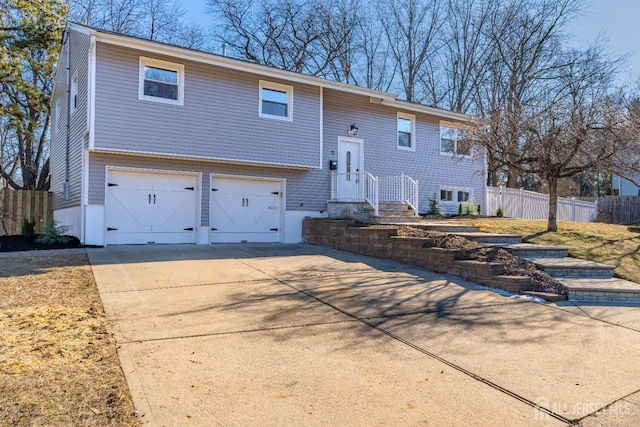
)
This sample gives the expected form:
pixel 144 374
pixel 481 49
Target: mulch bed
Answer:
pixel 28 243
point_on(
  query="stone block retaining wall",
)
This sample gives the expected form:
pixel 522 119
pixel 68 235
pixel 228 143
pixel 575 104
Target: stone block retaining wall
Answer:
pixel 385 243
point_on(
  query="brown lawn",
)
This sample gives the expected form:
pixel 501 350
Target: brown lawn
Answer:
pixel 58 361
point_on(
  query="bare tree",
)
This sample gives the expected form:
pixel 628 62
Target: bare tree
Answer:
pixel 288 34
pixel 339 38
pixel 159 20
pixel 578 124
pixel 460 62
pixel 411 27
pixel 526 52
pixel 374 67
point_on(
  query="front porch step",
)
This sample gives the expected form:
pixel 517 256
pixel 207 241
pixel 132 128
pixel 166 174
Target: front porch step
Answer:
pixel 602 290
pixel 573 268
pixel 492 238
pixel 528 250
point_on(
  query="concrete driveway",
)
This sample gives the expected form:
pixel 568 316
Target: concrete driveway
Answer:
pixel 299 335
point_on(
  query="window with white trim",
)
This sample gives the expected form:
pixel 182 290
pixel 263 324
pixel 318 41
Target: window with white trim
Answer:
pixel 455 194
pixel 276 101
pixel 463 195
pixel 454 141
pixel 446 194
pixel 406 131
pixel 161 81
pixel 74 93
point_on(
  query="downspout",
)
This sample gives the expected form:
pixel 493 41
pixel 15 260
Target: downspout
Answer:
pixel 65 188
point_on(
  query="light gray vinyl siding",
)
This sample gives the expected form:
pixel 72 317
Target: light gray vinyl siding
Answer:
pixel 219 118
pixel 377 126
pixel 79 44
pixel 626 187
pixel 299 188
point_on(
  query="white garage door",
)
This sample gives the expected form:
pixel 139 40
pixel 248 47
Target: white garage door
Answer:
pixel 146 207
pixel 245 210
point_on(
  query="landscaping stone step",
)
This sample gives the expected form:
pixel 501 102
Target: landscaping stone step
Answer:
pixel 573 267
pixel 393 219
pixel 528 250
pixel 491 238
pixel 448 228
pixel 602 290
pixel 395 212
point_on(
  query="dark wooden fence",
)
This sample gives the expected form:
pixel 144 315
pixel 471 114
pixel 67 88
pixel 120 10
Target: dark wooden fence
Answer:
pixel 16 205
pixel 618 209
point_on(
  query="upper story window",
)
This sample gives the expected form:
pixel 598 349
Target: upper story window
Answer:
pixel 276 101
pixel 406 131
pixel 74 93
pixel 454 141
pixel 161 81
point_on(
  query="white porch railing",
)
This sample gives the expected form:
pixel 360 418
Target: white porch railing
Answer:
pixel 372 189
pixel 518 203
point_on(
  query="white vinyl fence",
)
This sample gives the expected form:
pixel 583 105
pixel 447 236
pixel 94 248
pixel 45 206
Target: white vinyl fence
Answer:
pixel 529 205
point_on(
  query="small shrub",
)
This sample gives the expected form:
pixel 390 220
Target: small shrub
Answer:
pixel 460 209
pixel 28 227
pixel 471 207
pixel 499 213
pixel 433 206
pixel 53 234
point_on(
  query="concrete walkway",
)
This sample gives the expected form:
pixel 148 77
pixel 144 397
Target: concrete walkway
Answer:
pixel 301 335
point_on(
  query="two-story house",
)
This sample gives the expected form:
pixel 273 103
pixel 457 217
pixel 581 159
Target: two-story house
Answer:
pixel 156 143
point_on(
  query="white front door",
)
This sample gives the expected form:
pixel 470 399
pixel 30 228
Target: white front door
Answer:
pixel 245 210
pixel 148 207
pixel 350 181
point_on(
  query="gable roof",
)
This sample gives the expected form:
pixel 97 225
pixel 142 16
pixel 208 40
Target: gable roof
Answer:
pixel 160 48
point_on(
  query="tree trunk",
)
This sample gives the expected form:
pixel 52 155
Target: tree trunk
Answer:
pixel 552 224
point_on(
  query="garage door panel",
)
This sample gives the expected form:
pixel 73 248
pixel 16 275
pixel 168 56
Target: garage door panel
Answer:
pixel 260 216
pixel 245 210
pixel 125 211
pixel 175 208
pixel 150 207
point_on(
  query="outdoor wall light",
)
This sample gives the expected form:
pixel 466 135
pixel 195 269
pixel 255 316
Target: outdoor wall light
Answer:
pixel 353 130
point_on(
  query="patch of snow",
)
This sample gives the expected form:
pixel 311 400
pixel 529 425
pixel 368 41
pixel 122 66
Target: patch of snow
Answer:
pixel 504 293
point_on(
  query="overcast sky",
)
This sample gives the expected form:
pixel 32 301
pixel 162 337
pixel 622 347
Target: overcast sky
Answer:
pixel 616 20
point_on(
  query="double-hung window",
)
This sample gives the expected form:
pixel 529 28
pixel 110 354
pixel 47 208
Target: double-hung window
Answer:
pixel 161 81
pixel 454 141
pixel 406 131
pixel 276 101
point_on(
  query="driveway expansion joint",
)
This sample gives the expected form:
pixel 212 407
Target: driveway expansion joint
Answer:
pixel 244 331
